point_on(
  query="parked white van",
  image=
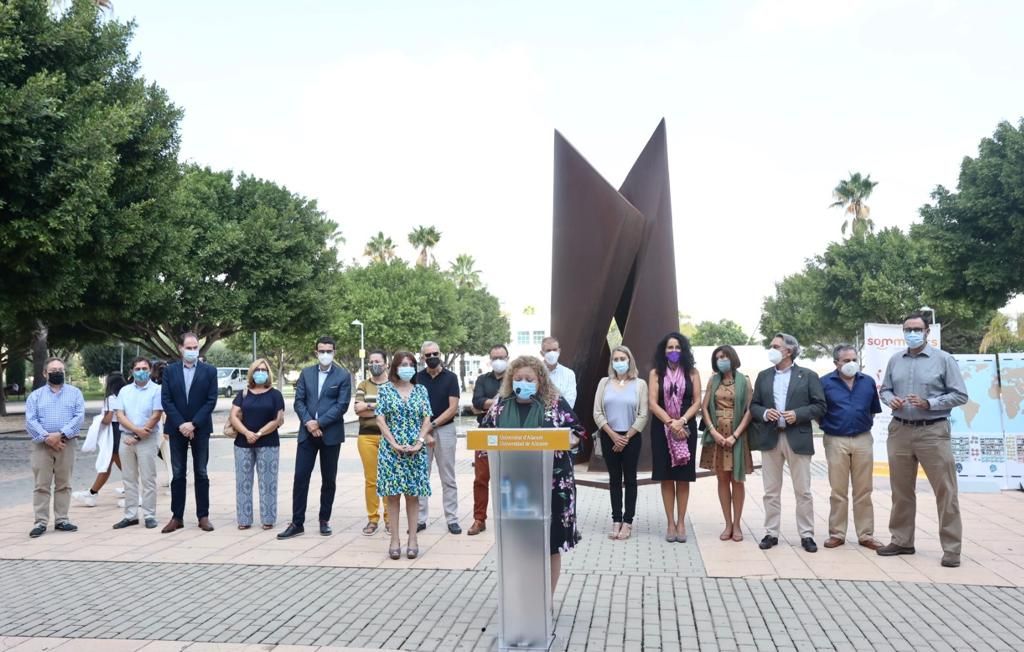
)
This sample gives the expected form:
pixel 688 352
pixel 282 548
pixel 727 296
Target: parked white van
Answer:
pixel 231 380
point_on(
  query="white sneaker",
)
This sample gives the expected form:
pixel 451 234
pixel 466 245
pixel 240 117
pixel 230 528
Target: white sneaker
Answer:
pixel 84 497
pixel 119 491
pixel 120 502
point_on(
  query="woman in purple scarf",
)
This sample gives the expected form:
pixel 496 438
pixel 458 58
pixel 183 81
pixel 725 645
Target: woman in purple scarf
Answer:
pixel 675 401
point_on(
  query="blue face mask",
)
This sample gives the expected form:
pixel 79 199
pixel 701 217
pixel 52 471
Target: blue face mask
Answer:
pixel 620 366
pixel 914 340
pixel 141 375
pixel 190 355
pixel 260 377
pixel 524 389
pixel 724 365
pixel 406 373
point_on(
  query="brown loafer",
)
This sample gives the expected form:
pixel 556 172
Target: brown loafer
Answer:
pixel 205 525
pixel 476 528
pixel 172 525
pixel 834 542
pixel 873 544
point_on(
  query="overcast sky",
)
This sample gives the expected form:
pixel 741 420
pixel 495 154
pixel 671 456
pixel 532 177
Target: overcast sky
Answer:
pixel 396 114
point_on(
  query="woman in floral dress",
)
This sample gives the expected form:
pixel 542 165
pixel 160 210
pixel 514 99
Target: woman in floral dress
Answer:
pixel 528 399
pixel 403 414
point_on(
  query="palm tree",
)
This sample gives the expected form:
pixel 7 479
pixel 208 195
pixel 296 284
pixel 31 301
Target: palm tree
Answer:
pixel 850 195
pixel 380 248
pixel 462 272
pixel 1001 337
pixel 425 238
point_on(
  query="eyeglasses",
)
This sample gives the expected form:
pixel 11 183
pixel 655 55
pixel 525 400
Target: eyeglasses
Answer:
pixel 433 354
pixel 263 369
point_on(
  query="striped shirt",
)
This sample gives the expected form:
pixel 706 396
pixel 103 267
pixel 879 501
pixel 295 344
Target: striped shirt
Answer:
pixel 47 411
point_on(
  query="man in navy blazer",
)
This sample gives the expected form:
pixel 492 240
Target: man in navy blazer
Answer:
pixel 321 400
pixel 189 395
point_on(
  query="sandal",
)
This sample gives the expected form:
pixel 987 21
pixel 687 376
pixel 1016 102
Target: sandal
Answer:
pixel 412 551
pixel 614 532
pixel 244 527
pixel 395 553
pixel 627 529
pixel 726 534
pixel 737 535
pixel 268 526
pixel 370 529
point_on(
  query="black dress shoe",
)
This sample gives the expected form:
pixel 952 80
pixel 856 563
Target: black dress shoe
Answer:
pixel 37 531
pixel 291 531
pixel 454 528
pixel 66 526
pixel 768 542
pixel 421 526
pixel 808 544
pixel 150 523
pixel 892 549
pixel 125 522
pixel 325 528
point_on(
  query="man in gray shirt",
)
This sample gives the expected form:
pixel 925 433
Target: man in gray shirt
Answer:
pixel 922 385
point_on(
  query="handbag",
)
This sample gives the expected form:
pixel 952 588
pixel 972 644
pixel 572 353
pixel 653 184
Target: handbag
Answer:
pixel 229 430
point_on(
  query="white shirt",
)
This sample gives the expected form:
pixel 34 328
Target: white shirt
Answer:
pixel 189 374
pixel 113 404
pixel 139 403
pixel 565 380
pixel 780 387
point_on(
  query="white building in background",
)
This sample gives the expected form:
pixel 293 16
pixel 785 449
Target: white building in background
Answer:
pixel 528 326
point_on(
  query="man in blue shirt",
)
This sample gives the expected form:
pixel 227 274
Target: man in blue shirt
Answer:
pixel 852 403
pixel 53 416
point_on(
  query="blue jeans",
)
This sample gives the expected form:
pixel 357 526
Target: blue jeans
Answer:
pixel 200 445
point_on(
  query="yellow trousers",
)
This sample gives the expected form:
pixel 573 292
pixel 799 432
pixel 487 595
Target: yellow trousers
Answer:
pixel 369 446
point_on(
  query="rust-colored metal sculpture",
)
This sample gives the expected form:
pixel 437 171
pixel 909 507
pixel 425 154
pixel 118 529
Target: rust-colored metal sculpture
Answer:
pixel 613 257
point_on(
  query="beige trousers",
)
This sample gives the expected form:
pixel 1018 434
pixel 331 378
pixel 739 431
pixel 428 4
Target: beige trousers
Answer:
pixel 928 446
pixel 138 472
pixel 52 470
pixel 800 472
pixel 850 461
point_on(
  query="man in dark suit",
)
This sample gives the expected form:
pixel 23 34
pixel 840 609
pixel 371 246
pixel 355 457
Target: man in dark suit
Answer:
pixel 189 395
pixel 321 400
pixel 786 399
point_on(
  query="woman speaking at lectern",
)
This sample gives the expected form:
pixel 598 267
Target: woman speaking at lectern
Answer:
pixel 528 399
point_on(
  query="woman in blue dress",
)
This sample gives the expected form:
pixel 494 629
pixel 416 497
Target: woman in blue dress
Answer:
pixel 403 414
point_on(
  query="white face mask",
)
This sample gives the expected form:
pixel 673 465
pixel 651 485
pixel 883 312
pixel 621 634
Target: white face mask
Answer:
pixel 551 357
pixel 850 369
pixel 499 365
pixel 325 358
pixel 774 356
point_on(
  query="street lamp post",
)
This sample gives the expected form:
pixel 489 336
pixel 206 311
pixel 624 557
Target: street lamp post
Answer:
pixel 929 309
pixel 362 348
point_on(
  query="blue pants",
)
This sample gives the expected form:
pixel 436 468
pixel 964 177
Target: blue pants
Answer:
pixel 262 461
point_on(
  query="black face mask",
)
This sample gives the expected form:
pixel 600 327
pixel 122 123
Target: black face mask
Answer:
pixel 433 362
pixel 55 377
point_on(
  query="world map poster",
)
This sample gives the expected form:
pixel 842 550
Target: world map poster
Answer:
pixel 979 445
pixel 1011 373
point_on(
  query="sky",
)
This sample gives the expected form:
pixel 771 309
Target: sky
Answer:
pixel 398 114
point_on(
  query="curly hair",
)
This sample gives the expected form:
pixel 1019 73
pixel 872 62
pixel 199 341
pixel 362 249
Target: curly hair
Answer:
pixel 546 390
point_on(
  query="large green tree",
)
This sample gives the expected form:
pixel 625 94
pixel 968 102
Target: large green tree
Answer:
pixel 717 333
pixel 88 154
pixel 876 278
pixel 232 255
pixel 976 234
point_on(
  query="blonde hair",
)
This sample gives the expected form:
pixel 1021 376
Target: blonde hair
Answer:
pixel 546 390
pixel 632 372
pixel 253 367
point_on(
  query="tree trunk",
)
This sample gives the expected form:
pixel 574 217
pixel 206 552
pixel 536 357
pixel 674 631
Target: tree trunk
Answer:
pixel 40 351
pixel 280 371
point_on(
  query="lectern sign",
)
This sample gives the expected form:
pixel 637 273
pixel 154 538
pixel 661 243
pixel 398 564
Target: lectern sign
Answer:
pixel 518 439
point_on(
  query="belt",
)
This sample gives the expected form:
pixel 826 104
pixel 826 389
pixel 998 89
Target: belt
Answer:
pixel 922 422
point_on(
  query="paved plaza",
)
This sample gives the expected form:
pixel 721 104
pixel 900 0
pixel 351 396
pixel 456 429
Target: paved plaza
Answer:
pixel 244 590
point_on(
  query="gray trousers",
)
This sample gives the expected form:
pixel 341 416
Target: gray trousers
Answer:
pixel 138 471
pixel 444 452
pixel 262 461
